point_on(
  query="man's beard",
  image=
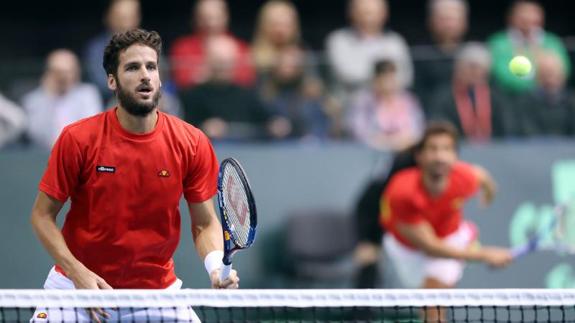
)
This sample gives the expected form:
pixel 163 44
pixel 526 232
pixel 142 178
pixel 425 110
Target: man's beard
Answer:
pixel 132 106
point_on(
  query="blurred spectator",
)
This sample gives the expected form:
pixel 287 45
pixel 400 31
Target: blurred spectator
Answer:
pixel 470 103
pixel 277 30
pixel 353 51
pixel 59 100
pixel 447 22
pixel 291 93
pixel 524 36
pixel 188 53
pixel 386 116
pixel 550 109
pixel 121 15
pixel 224 110
pixel 12 121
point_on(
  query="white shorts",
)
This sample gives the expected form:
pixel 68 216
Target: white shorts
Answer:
pixel 413 266
pixel 56 280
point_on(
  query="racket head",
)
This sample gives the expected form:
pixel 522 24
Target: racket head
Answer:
pixel 237 208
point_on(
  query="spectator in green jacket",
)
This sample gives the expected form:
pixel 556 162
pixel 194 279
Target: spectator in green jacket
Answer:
pixel 524 36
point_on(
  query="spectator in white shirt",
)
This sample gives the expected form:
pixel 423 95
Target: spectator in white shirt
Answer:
pixel 353 51
pixel 59 100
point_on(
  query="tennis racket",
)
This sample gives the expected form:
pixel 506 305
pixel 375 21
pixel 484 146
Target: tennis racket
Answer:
pixel 557 233
pixel 237 211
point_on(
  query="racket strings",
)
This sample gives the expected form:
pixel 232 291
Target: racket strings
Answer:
pixel 236 206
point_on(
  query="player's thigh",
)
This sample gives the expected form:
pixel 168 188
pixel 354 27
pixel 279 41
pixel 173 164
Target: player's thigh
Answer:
pixel 155 314
pixel 446 271
pixel 42 315
pixel 407 263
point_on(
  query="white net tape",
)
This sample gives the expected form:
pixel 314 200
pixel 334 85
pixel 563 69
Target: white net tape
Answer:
pixel 286 298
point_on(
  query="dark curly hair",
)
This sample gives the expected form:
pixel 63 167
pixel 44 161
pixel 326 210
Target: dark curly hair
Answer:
pixel 121 41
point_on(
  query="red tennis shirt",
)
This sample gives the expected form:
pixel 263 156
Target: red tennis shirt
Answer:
pixel 406 200
pixel 125 189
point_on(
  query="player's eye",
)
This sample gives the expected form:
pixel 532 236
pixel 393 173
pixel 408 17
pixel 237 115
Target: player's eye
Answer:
pixel 151 67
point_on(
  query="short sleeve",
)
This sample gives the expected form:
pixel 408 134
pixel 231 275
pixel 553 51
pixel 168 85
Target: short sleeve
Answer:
pixel 64 167
pixel 200 183
pixel 465 179
pixel 399 206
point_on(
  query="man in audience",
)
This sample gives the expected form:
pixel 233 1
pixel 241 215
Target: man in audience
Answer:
pixel 121 15
pixel 59 100
pixel 447 23
pixel 12 121
pixel 224 110
pixel 469 102
pixel 524 36
pixel 550 108
pixel 188 54
pixel 353 51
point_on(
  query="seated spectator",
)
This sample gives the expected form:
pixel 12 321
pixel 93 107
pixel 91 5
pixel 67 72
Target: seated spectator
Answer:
pixel 447 23
pixel 59 100
pixel 353 51
pixel 12 121
pixel 386 116
pixel 121 15
pixel 188 53
pixel 524 36
pixel 277 30
pixel 290 92
pixel 470 103
pixel 550 108
pixel 224 110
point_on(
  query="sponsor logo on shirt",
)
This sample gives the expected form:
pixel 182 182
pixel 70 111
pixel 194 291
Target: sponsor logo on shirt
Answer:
pixel 105 169
pixel 164 173
pixel 42 315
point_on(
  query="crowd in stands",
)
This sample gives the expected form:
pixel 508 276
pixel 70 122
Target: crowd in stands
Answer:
pixel 368 85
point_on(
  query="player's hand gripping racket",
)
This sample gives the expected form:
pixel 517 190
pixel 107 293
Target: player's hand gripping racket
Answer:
pixel 556 234
pixel 237 211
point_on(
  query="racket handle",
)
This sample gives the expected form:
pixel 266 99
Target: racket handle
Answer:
pixel 524 249
pixel 225 272
pixel 520 251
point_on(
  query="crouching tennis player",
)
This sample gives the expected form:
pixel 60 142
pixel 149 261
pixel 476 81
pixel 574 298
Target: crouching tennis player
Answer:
pixel 429 241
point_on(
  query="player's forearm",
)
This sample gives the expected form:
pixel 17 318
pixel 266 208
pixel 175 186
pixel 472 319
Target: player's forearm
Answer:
pixel 53 241
pixel 441 250
pixel 207 237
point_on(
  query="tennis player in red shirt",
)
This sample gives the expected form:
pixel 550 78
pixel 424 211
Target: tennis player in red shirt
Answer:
pixel 124 172
pixel 428 240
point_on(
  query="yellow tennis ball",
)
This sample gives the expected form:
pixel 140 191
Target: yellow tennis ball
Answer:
pixel 520 66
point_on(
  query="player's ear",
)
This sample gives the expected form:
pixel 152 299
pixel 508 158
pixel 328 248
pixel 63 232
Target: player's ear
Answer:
pixel 112 83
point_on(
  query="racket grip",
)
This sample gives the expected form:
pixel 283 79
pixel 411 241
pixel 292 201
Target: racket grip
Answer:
pixel 225 272
pixel 520 251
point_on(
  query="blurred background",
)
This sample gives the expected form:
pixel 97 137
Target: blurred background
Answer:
pixel 314 98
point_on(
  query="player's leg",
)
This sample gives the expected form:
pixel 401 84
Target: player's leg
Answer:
pixel 434 313
pixel 56 280
pixel 407 263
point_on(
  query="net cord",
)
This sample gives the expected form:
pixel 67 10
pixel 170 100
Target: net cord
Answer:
pixel 289 298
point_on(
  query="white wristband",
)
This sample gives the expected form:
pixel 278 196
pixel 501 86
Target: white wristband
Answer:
pixel 213 261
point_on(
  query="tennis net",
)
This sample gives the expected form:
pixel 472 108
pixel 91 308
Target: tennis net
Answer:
pixel 465 305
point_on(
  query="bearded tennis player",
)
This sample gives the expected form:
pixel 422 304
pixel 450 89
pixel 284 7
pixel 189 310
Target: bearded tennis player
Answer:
pixel 429 241
pixel 124 172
